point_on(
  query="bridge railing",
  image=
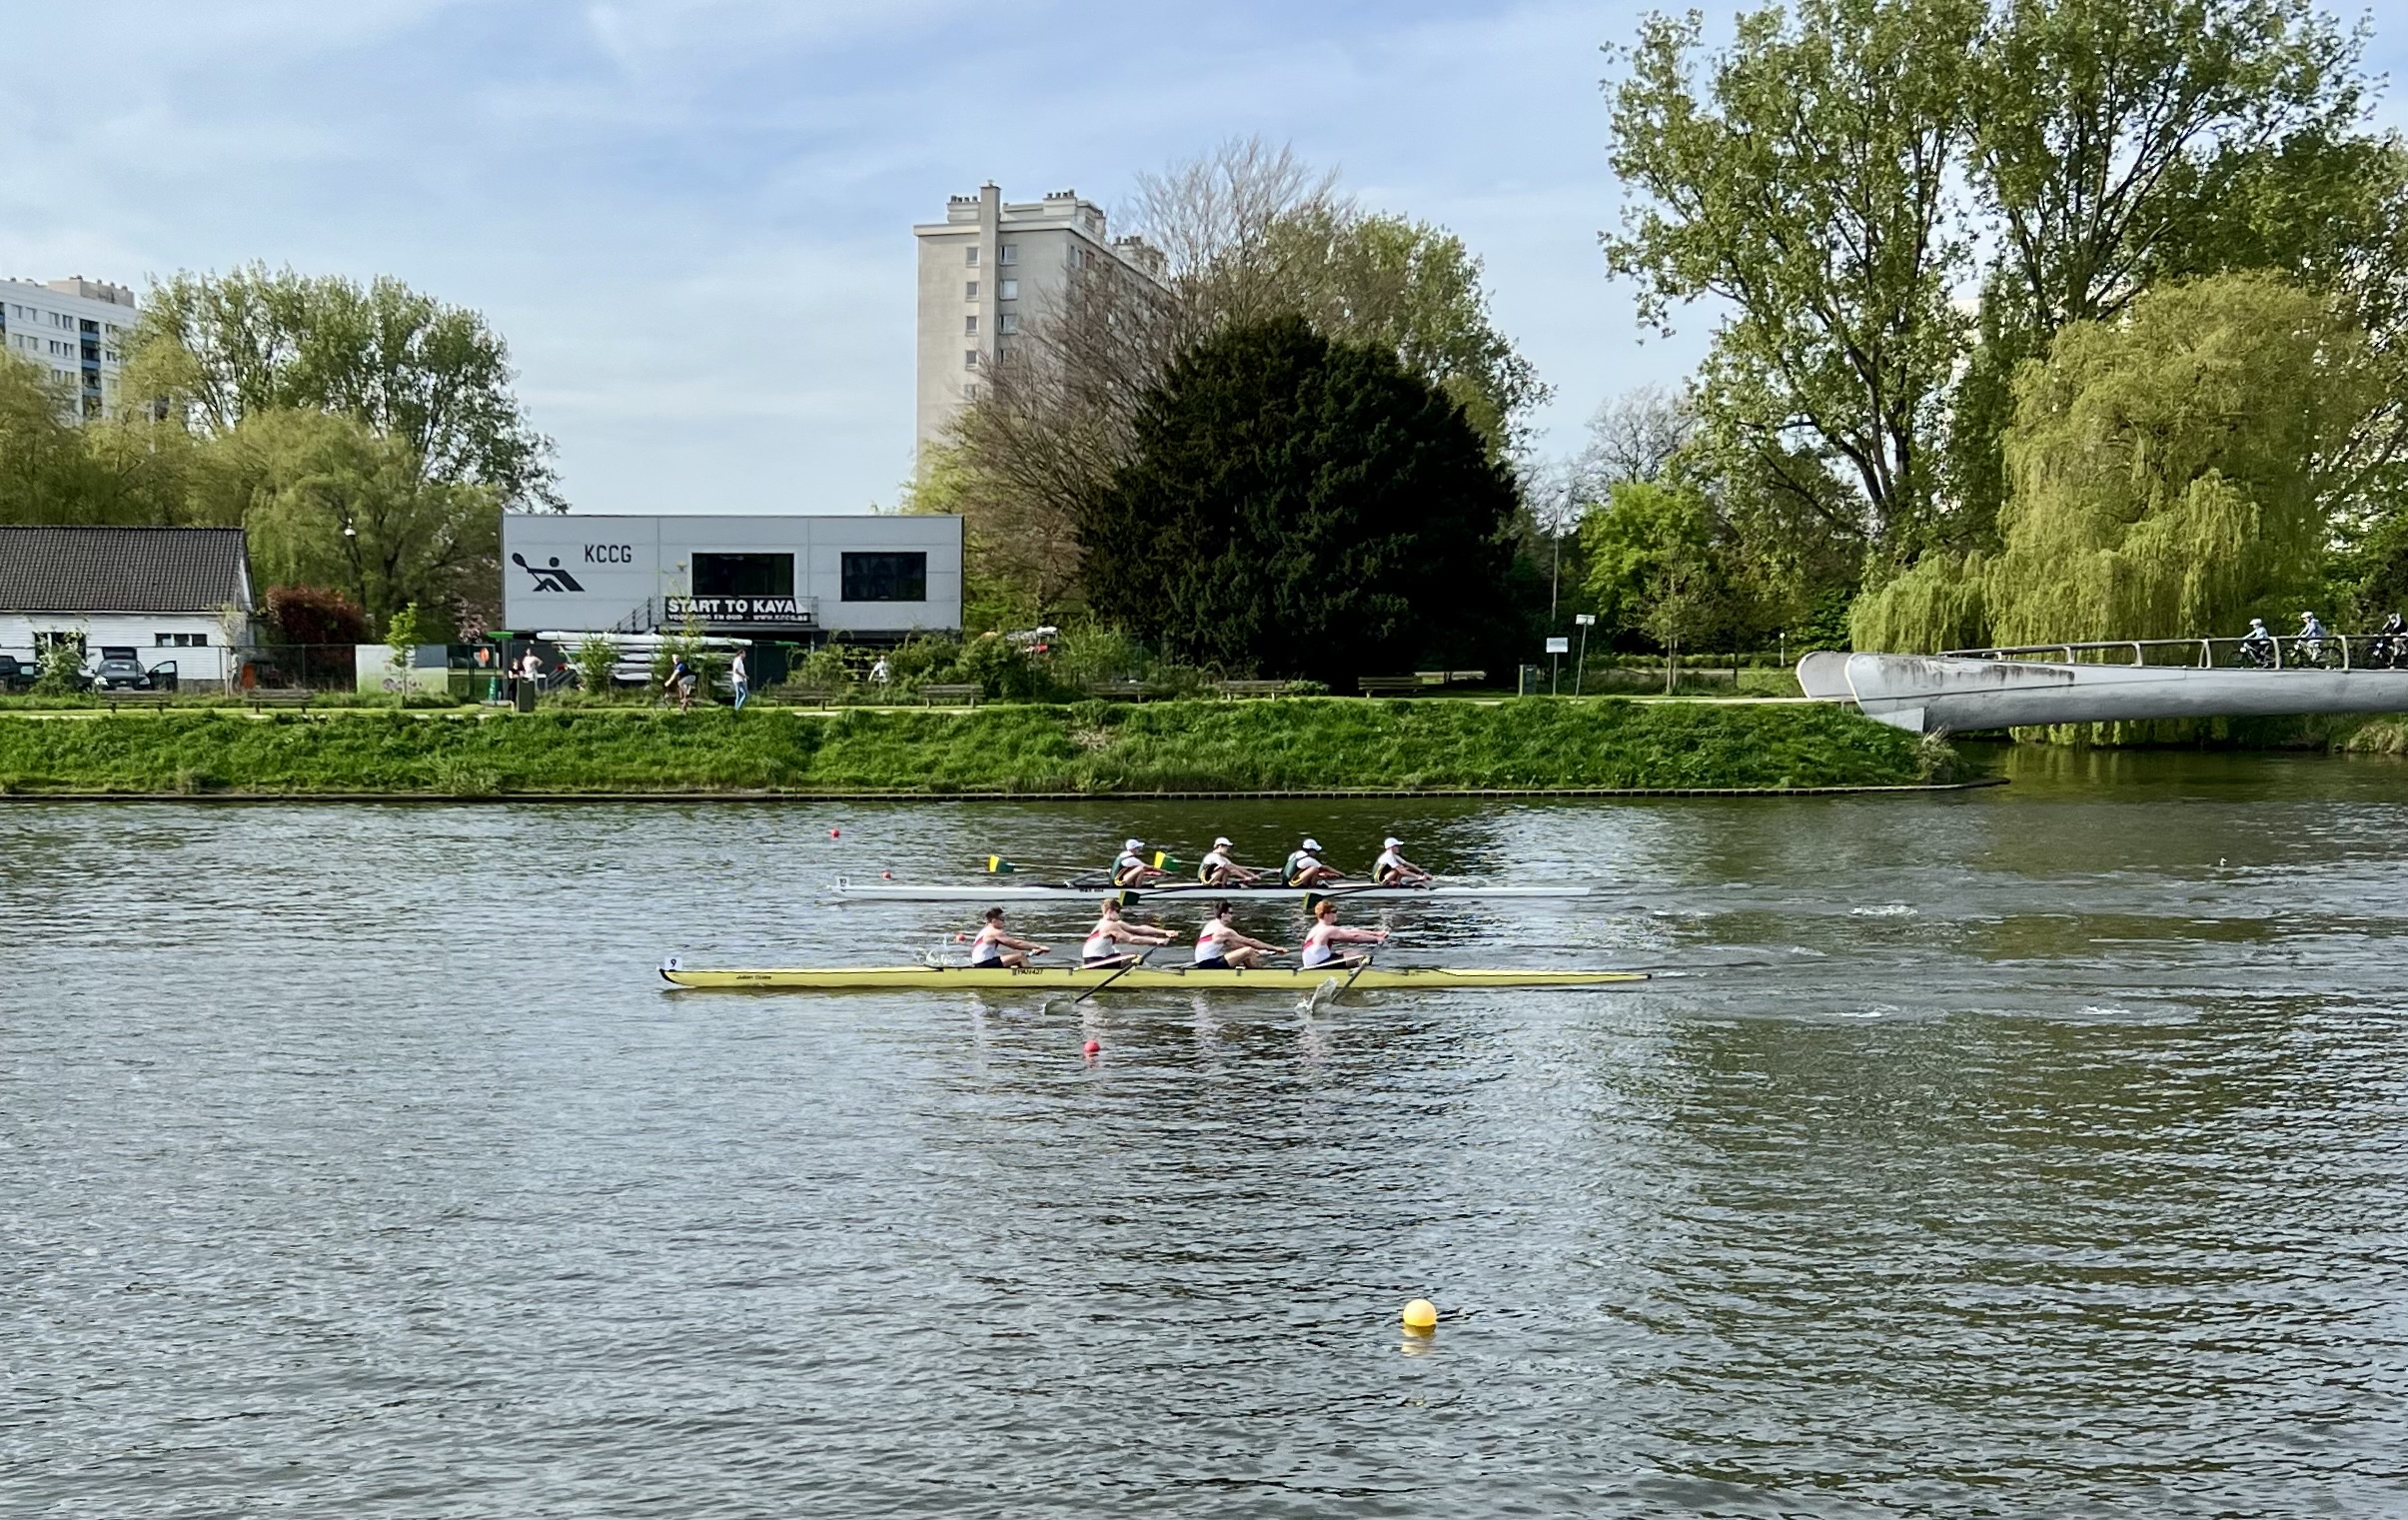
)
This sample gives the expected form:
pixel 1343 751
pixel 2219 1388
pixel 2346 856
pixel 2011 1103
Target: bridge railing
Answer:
pixel 2334 651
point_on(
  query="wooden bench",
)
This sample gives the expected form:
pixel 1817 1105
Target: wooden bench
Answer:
pixel 135 698
pixel 1233 689
pixel 1387 686
pixel 1126 691
pixel 791 693
pixel 966 692
pixel 263 697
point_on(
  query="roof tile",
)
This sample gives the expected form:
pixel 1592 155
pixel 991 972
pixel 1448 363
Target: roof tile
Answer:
pixel 120 569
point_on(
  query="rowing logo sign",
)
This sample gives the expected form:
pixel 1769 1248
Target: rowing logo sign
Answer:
pixel 550 578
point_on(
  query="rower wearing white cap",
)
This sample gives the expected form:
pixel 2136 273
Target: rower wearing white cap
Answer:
pixel 1132 868
pixel 1220 868
pixel 1305 868
pixel 1393 869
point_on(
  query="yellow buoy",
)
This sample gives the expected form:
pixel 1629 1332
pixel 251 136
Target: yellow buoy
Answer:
pixel 1421 1315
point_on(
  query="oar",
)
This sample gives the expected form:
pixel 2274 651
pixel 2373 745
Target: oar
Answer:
pixel 1359 969
pixel 1115 976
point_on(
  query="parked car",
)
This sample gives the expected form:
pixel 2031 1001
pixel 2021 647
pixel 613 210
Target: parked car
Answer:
pixel 121 671
pixel 17 675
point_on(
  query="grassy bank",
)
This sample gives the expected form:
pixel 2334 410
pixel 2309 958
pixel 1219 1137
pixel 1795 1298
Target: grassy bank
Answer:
pixel 1290 744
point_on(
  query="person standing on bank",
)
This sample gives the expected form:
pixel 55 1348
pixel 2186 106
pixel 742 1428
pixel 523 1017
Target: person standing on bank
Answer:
pixel 739 678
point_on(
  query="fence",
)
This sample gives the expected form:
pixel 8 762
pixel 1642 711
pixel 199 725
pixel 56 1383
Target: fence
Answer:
pixel 2333 652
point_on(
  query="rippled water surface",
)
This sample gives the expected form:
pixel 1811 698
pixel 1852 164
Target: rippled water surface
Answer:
pixel 2029 1151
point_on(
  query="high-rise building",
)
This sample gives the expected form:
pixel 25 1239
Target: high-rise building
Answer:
pixel 989 266
pixel 76 327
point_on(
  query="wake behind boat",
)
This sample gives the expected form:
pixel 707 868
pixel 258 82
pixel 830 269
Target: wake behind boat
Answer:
pixel 1068 978
pixel 1080 890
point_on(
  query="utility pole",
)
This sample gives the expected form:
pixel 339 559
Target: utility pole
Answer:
pixel 1580 669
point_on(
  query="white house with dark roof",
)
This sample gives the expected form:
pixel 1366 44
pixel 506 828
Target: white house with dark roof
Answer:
pixel 165 593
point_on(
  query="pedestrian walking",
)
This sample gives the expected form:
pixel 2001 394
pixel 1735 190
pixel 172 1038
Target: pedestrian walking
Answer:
pixel 741 682
pixel 681 682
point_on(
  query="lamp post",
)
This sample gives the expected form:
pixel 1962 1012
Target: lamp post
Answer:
pixel 1580 668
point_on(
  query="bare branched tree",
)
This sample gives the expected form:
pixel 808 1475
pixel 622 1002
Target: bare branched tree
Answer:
pixel 1634 437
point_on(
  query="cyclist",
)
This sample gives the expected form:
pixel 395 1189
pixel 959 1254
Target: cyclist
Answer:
pixel 2308 643
pixel 2257 645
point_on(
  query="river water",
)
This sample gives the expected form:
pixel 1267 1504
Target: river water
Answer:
pixel 2036 1149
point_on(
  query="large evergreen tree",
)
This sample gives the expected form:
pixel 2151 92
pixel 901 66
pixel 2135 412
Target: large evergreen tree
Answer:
pixel 1297 506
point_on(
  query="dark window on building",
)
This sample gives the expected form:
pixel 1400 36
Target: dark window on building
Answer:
pixel 743 574
pixel 886 578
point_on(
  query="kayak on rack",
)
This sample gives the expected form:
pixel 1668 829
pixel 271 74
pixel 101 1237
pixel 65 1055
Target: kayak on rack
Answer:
pixel 1072 891
pixel 1140 978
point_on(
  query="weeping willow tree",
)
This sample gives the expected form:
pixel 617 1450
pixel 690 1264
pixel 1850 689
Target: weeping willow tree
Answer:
pixel 2170 473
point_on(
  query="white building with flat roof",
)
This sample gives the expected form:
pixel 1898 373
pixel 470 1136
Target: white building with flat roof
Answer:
pixel 78 328
pixel 988 268
pixel 798 578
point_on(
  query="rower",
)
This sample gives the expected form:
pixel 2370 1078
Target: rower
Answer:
pixel 993 948
pixel 1393 869
pixel 1098 953
pixel 1327 933
pixel 1219 869
pixel 1303 867
pixel 1132 868
pixel 1220 947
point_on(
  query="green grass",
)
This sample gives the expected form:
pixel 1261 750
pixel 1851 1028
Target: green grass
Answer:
pixel 1288 744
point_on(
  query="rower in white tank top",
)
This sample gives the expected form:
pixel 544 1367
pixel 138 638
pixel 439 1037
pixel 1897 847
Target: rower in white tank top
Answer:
pixel 994 948
pixel 1101 949
pixel 1219 946
pixel 1326 935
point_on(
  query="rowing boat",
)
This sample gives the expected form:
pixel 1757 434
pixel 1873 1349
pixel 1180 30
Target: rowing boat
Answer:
pixel 1070 891
pixel 1142 978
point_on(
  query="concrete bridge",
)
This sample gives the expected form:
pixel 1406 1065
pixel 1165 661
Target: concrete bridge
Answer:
pixel 2116 682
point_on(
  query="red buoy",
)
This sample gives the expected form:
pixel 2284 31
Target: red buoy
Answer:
pixel 1094 1045
pixel 834 832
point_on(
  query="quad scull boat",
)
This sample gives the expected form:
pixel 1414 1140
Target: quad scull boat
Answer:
pixel 1075 891
pixel 1068 978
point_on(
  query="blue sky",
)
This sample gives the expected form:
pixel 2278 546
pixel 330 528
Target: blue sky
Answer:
pixel 691 218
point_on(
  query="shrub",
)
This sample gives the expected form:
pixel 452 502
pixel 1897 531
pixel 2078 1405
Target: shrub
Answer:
pixel 61 665
pixel 1004 670
pixel 595 659
pixel 315 615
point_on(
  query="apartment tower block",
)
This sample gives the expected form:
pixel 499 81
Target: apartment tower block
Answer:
pixel 989 266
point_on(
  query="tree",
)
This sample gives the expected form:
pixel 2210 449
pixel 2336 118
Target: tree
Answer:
pixel 2170 473
pixel 127 470
pixel 330 502
pixel 2112 136
pixel 1808 186
pixel 1303 507
pixel 431 377
pixel 1244 234
pixel 1636 437
pixel 1653 565
pixel 2118 143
